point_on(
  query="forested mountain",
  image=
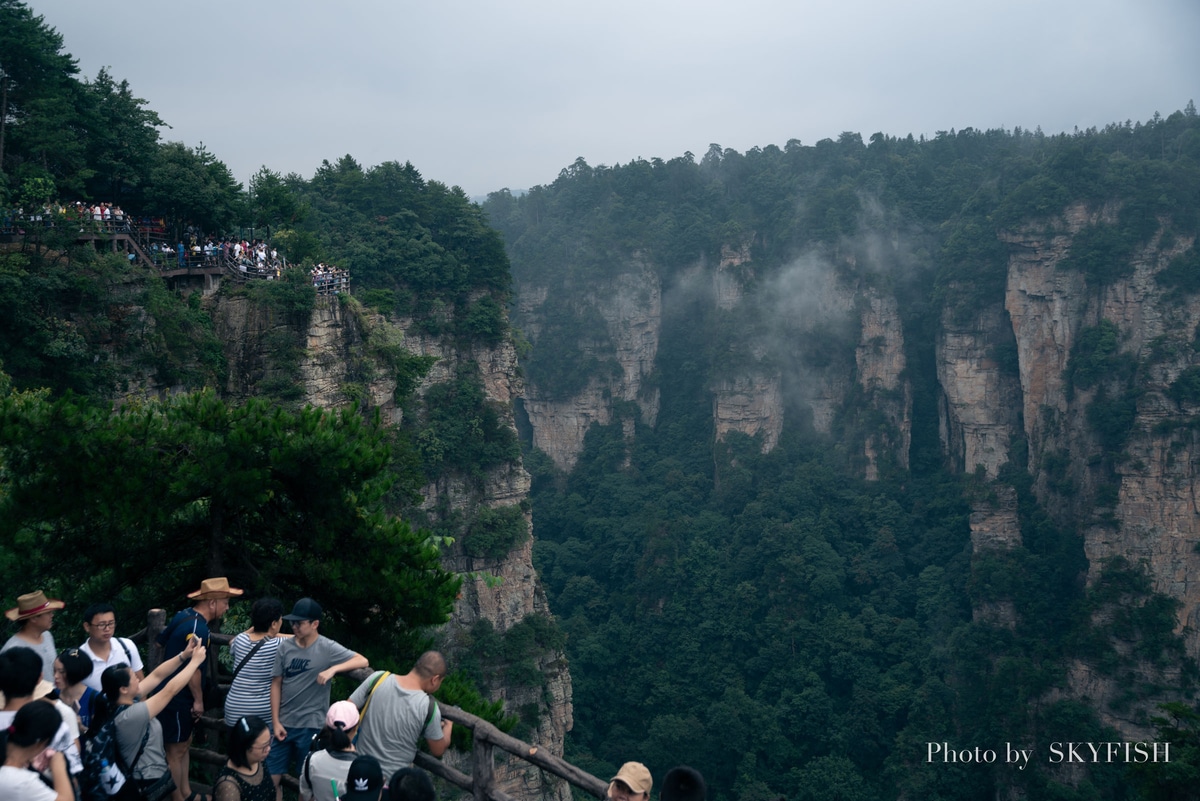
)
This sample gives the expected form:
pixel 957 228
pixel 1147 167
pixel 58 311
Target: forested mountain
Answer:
pixel 847 449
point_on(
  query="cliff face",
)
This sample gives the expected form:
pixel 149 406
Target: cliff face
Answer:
pixel 329 355
pixel 1151 520
pixel 631 308
pixel 981 405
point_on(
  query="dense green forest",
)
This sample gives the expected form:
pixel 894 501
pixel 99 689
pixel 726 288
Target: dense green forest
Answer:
pixel 797 631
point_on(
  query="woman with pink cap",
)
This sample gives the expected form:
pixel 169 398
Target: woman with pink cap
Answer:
pixel 323 776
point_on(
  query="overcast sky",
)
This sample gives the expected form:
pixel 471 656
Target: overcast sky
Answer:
pixel 488 95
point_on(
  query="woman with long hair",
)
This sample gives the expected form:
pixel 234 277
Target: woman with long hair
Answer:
pixel 70 669
pixel 323 775
pixel 243 778
pixel 139 734
pixel 24 746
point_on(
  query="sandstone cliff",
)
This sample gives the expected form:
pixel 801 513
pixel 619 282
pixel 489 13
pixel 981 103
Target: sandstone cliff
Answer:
pixel 630 306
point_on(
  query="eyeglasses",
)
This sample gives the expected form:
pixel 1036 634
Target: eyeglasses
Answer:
pixel 105 624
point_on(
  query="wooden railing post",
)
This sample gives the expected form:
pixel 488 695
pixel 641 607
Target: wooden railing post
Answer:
pixel 483 775
pixel 156 621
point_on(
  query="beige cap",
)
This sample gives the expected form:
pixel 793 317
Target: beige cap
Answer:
pixel 635 776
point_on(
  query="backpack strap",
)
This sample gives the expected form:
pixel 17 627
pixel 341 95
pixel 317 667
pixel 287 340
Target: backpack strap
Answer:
pixel 125 648
pixel 249 656
pixel 429 713
pixel 374 686
pixel 363 713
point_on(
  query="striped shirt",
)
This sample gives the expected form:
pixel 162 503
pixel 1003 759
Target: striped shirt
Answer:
pixel 250 693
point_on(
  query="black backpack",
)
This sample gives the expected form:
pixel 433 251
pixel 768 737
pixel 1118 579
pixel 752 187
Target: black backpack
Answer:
pixel 101 757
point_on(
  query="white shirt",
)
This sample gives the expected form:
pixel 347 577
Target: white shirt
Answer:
pixel 116 656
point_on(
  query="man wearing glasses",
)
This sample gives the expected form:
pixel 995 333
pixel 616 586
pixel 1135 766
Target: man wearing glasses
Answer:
pixel 105 650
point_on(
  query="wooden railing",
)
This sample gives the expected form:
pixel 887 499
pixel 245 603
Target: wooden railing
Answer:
pixel 486 738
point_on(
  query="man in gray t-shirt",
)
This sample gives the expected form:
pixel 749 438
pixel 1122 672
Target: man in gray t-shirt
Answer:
pixel 396 711
pixel 304 666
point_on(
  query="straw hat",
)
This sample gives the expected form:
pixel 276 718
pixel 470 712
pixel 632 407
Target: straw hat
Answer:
pixel 212 588
pixel 32 604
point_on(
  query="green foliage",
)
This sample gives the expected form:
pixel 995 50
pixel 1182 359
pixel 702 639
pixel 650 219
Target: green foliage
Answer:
pixel 168 493
pixel 1102 252
pixel 395 231
pixel 1186 388
pixel 1176 779
pixel 494 532
pixel 190 185
pixel 1096 356
pixel 463 431
pixel 292 295
pixel 1182 273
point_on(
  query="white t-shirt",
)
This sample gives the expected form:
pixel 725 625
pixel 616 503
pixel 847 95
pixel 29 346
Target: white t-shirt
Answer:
pixel 116 656
pixel 23 784
pixel 64 739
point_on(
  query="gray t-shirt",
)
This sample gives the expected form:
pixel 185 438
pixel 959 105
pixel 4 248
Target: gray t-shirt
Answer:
pixel 45 650
pixel 393 725
pixel 131 726
pixel 303 702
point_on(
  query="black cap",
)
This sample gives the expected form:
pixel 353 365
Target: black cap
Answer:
pixel 305 609
pixel 364 782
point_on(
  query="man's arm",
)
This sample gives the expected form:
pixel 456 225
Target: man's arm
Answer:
pixel 438 747
pixel 276 694
pixel 353 663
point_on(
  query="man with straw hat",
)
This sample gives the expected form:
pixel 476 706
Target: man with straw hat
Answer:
pixel 209 603
pixel 34 614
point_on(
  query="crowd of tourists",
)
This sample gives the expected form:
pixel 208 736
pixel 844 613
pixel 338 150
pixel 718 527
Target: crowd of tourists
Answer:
pixel 330 280
pixel 66 712
pixel 89 721
pixel 253 258
pixel 84 217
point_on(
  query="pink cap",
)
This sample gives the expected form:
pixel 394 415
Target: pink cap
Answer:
pixel 342 715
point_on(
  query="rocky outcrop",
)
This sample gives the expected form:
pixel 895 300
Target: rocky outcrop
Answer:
pixel 981 397
pixel 751 403
pixel 731 275
pixel 881 363
pixel 1047 308
pixel 995 527
pixel 631 307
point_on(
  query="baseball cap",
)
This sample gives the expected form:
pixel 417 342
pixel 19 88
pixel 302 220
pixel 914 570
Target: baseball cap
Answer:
pixel 635 776
pixel 305 609
pixel 365 779
pixel 343 712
